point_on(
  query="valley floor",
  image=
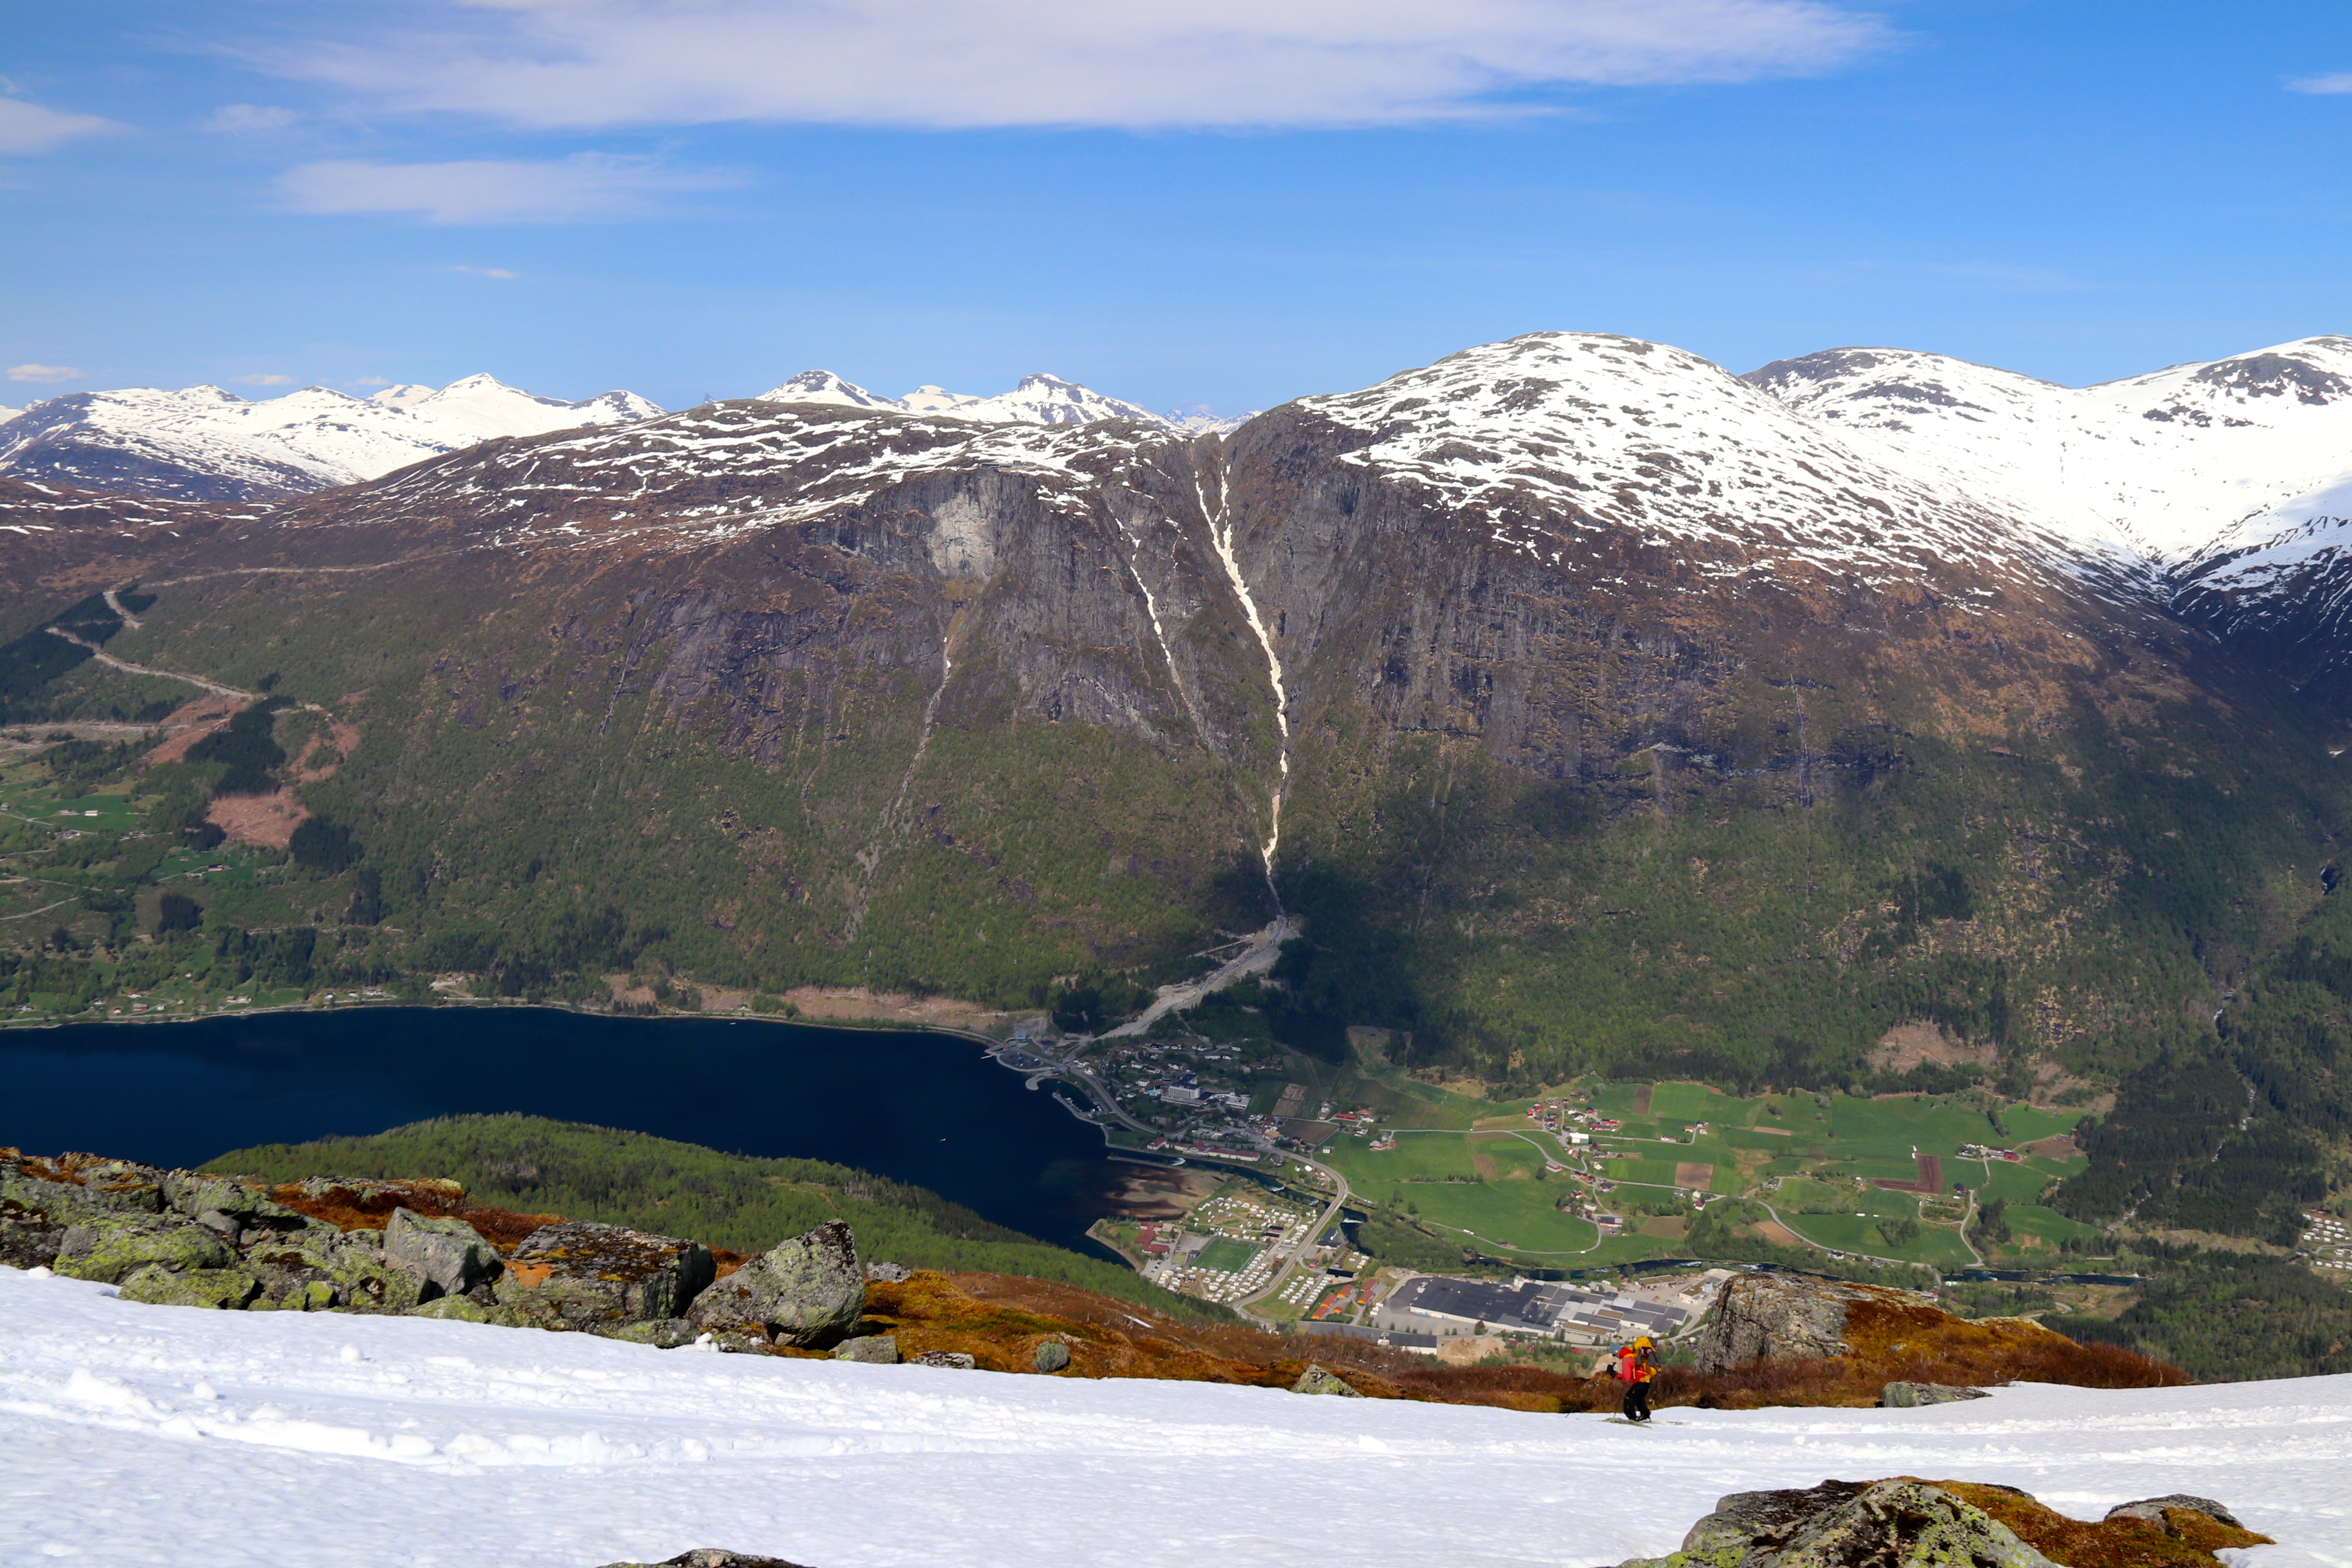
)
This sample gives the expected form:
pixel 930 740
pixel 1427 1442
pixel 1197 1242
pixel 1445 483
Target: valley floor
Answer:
pixel 134 1434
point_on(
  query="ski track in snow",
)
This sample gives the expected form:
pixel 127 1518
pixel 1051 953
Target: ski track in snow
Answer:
pixel 136 1433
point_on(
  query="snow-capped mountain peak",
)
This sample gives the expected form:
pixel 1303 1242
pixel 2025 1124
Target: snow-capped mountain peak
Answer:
pixel 205 442
pixel 928 399
pixel 2156 466
pixel 1043 399
pixel 823 386
pixel 1039 400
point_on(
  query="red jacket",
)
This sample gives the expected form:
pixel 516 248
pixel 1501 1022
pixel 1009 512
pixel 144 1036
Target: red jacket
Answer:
pixel 1635 1365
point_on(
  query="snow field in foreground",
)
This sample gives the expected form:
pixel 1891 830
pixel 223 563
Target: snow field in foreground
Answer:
pixel 138 1434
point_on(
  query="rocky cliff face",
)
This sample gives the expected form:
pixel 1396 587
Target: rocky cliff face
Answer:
pixel 1596 707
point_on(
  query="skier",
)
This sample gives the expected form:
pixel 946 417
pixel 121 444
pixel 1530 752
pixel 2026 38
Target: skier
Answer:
pixel 1636 1365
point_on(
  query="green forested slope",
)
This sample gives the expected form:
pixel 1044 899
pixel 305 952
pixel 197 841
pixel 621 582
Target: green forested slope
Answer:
pixel 536 1165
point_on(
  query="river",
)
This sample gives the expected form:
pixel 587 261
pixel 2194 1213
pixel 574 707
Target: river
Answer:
pixel 922 1108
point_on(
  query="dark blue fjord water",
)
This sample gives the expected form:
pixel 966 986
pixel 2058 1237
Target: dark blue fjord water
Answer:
pixel 920 1107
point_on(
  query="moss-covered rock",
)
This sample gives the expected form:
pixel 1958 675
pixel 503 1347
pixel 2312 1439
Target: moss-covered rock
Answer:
pixel 453 1309
pixel 1889 1524
pixel 1315 1380
pixel 582 1274
pixel 808 1291
pixel 113 1247
pixel 221 1289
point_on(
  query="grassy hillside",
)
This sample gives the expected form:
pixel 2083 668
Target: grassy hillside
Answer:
pixel 536 1165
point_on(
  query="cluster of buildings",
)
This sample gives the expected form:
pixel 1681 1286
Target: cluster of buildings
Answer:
pixel 2327 1241
pixel 1579 1314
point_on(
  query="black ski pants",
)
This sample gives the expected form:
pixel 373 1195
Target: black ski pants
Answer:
pixel 1637 1402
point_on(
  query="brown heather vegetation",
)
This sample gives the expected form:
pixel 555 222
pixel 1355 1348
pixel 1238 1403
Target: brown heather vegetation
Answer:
pixel 2187 1539
pixel 999 1320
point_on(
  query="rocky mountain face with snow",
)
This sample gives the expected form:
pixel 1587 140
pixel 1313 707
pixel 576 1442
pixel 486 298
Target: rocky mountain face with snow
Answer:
pixel 1593 707
pixel 204 443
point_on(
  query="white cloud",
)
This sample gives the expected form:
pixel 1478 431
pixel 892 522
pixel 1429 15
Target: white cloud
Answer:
pixel 580 188
pixel 249 118
pixel 370 381
pixel 264 380
pixel 43 372
pixel 2334 81
pixel 1135 63
pixel 499 272
pixel 29 128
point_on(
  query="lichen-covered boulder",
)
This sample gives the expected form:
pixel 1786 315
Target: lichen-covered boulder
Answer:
pixel 449 1254
pixel 1887 1524
pixel 316 1269
pixel 807 1291
pixel 1773 1316
pixel 1315 1380
pixel 876 1350
pixel 1051 1355
pixel 230 1204
pixel 222 1290
pixel 586 1276
pixel 28 1237
pixel 955 1359
pixel 883 1273
pixel 112 1246
pixel 2154 1509
pixel 75 1186
pixel 453 1309
pixel 1912 1395
pixel 664 1334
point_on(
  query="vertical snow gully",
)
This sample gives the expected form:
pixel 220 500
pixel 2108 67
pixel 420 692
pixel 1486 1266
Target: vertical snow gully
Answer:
pixel 1221 535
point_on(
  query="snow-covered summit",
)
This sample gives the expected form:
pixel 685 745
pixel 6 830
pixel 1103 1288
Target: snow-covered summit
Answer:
pixel 135 1434
pixel 1039 400
pixel 205 442
pixel 1554 433
pixel 2161 465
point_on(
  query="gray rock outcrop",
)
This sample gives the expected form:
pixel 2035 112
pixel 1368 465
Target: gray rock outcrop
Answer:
pixel 1315 1380
pixel 956 1359
pixel 876 1350
pixel 1773 1317
pixel 586 1276
pixel 1911 1396
pixel 448 1254
pixel 223 1290
pixel 888 1273
pixel 112 1246
pixel 1887 1524
pixel 2153 1509
pixel 808 1291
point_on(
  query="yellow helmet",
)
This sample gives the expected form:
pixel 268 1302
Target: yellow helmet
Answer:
pixel 1642 1343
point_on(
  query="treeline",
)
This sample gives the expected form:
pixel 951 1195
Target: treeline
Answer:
pixel 537 1166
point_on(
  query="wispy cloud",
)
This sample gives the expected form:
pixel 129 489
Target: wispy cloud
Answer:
pixel 29 128
pixel 264 380
pixel 370 381
pixel 579 189
pixel 43 372
pixel 1132 63
pixel 2333 81
pixel 249 118
pixel 499 272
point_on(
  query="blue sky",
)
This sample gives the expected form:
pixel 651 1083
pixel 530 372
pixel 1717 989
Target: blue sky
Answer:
pixel 1211 202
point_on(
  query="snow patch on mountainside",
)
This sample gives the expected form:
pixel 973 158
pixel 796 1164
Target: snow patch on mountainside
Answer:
pixel 2159 466
pixel 157 1434
pixel 207 441
pixel 1557 434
